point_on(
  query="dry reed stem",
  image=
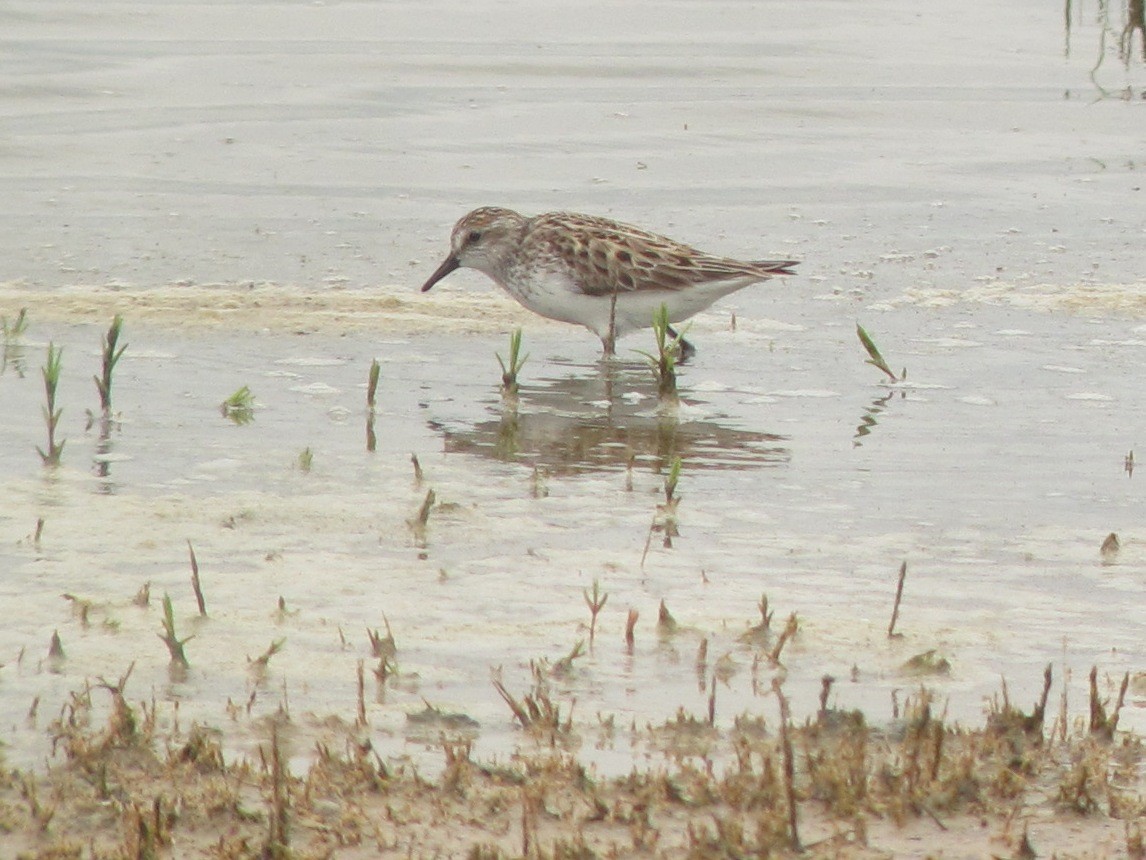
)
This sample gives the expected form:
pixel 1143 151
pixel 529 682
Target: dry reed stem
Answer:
pixel 787 633
pixel 898 597
pixel 789 765
pixel 361 678
pixel 142 597
pixel 259 664
pixel 382 646
pixel 1102 725
pixel 630 627
pixel 277 846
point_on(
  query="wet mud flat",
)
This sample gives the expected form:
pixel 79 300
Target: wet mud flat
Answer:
pixel 393 663
pixel 832 786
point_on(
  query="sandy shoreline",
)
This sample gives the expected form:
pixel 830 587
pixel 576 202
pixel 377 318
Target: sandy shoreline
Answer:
pixel 470 308
pixel 238 308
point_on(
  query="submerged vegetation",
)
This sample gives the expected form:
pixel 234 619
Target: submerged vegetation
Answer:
pixel 305 460
pixel 665 517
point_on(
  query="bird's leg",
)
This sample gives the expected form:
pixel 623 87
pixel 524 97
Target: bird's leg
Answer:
pixel 609 341
pixel 609 345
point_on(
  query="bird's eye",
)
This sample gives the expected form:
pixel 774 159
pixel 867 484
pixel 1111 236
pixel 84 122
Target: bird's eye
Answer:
pixel 474 236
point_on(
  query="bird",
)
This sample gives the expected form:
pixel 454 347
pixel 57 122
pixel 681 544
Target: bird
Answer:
pixel 602 274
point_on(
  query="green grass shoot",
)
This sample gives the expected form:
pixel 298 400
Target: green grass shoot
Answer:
pixel 239 407
pixel 372 384
pixel 877 359
pixel 663 363
pixel 596 601
pixel 510 369
pixel 112 353
pixel 173 643
pixel 51 374
pixel 371 399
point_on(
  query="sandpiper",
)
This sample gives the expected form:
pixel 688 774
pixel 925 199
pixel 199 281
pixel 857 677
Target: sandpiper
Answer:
pixel 607 276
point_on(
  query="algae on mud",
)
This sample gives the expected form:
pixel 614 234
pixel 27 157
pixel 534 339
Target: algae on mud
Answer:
pixel 143 785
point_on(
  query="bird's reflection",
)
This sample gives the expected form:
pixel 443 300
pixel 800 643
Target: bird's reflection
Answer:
pixel 104 449
pixel 12 355
pixel 605 417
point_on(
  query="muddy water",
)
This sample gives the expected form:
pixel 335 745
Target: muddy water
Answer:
pixel 996 473
pixel 929 171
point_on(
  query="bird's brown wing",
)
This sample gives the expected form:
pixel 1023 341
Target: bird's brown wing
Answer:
pixel 611 257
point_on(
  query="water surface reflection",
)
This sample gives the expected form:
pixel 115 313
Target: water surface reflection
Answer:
pixel 1120 25
pixel 607 418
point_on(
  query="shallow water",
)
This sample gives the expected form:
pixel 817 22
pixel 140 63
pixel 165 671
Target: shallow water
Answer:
pixel 995 477
pixel 927 167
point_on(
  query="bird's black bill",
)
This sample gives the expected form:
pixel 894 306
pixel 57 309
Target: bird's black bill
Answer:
pixel 448 265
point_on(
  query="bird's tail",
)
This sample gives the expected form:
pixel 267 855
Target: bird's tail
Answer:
pixel 776 267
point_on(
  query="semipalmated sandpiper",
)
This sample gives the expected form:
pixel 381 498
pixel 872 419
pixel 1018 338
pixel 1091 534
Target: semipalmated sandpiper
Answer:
pixel 607 276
